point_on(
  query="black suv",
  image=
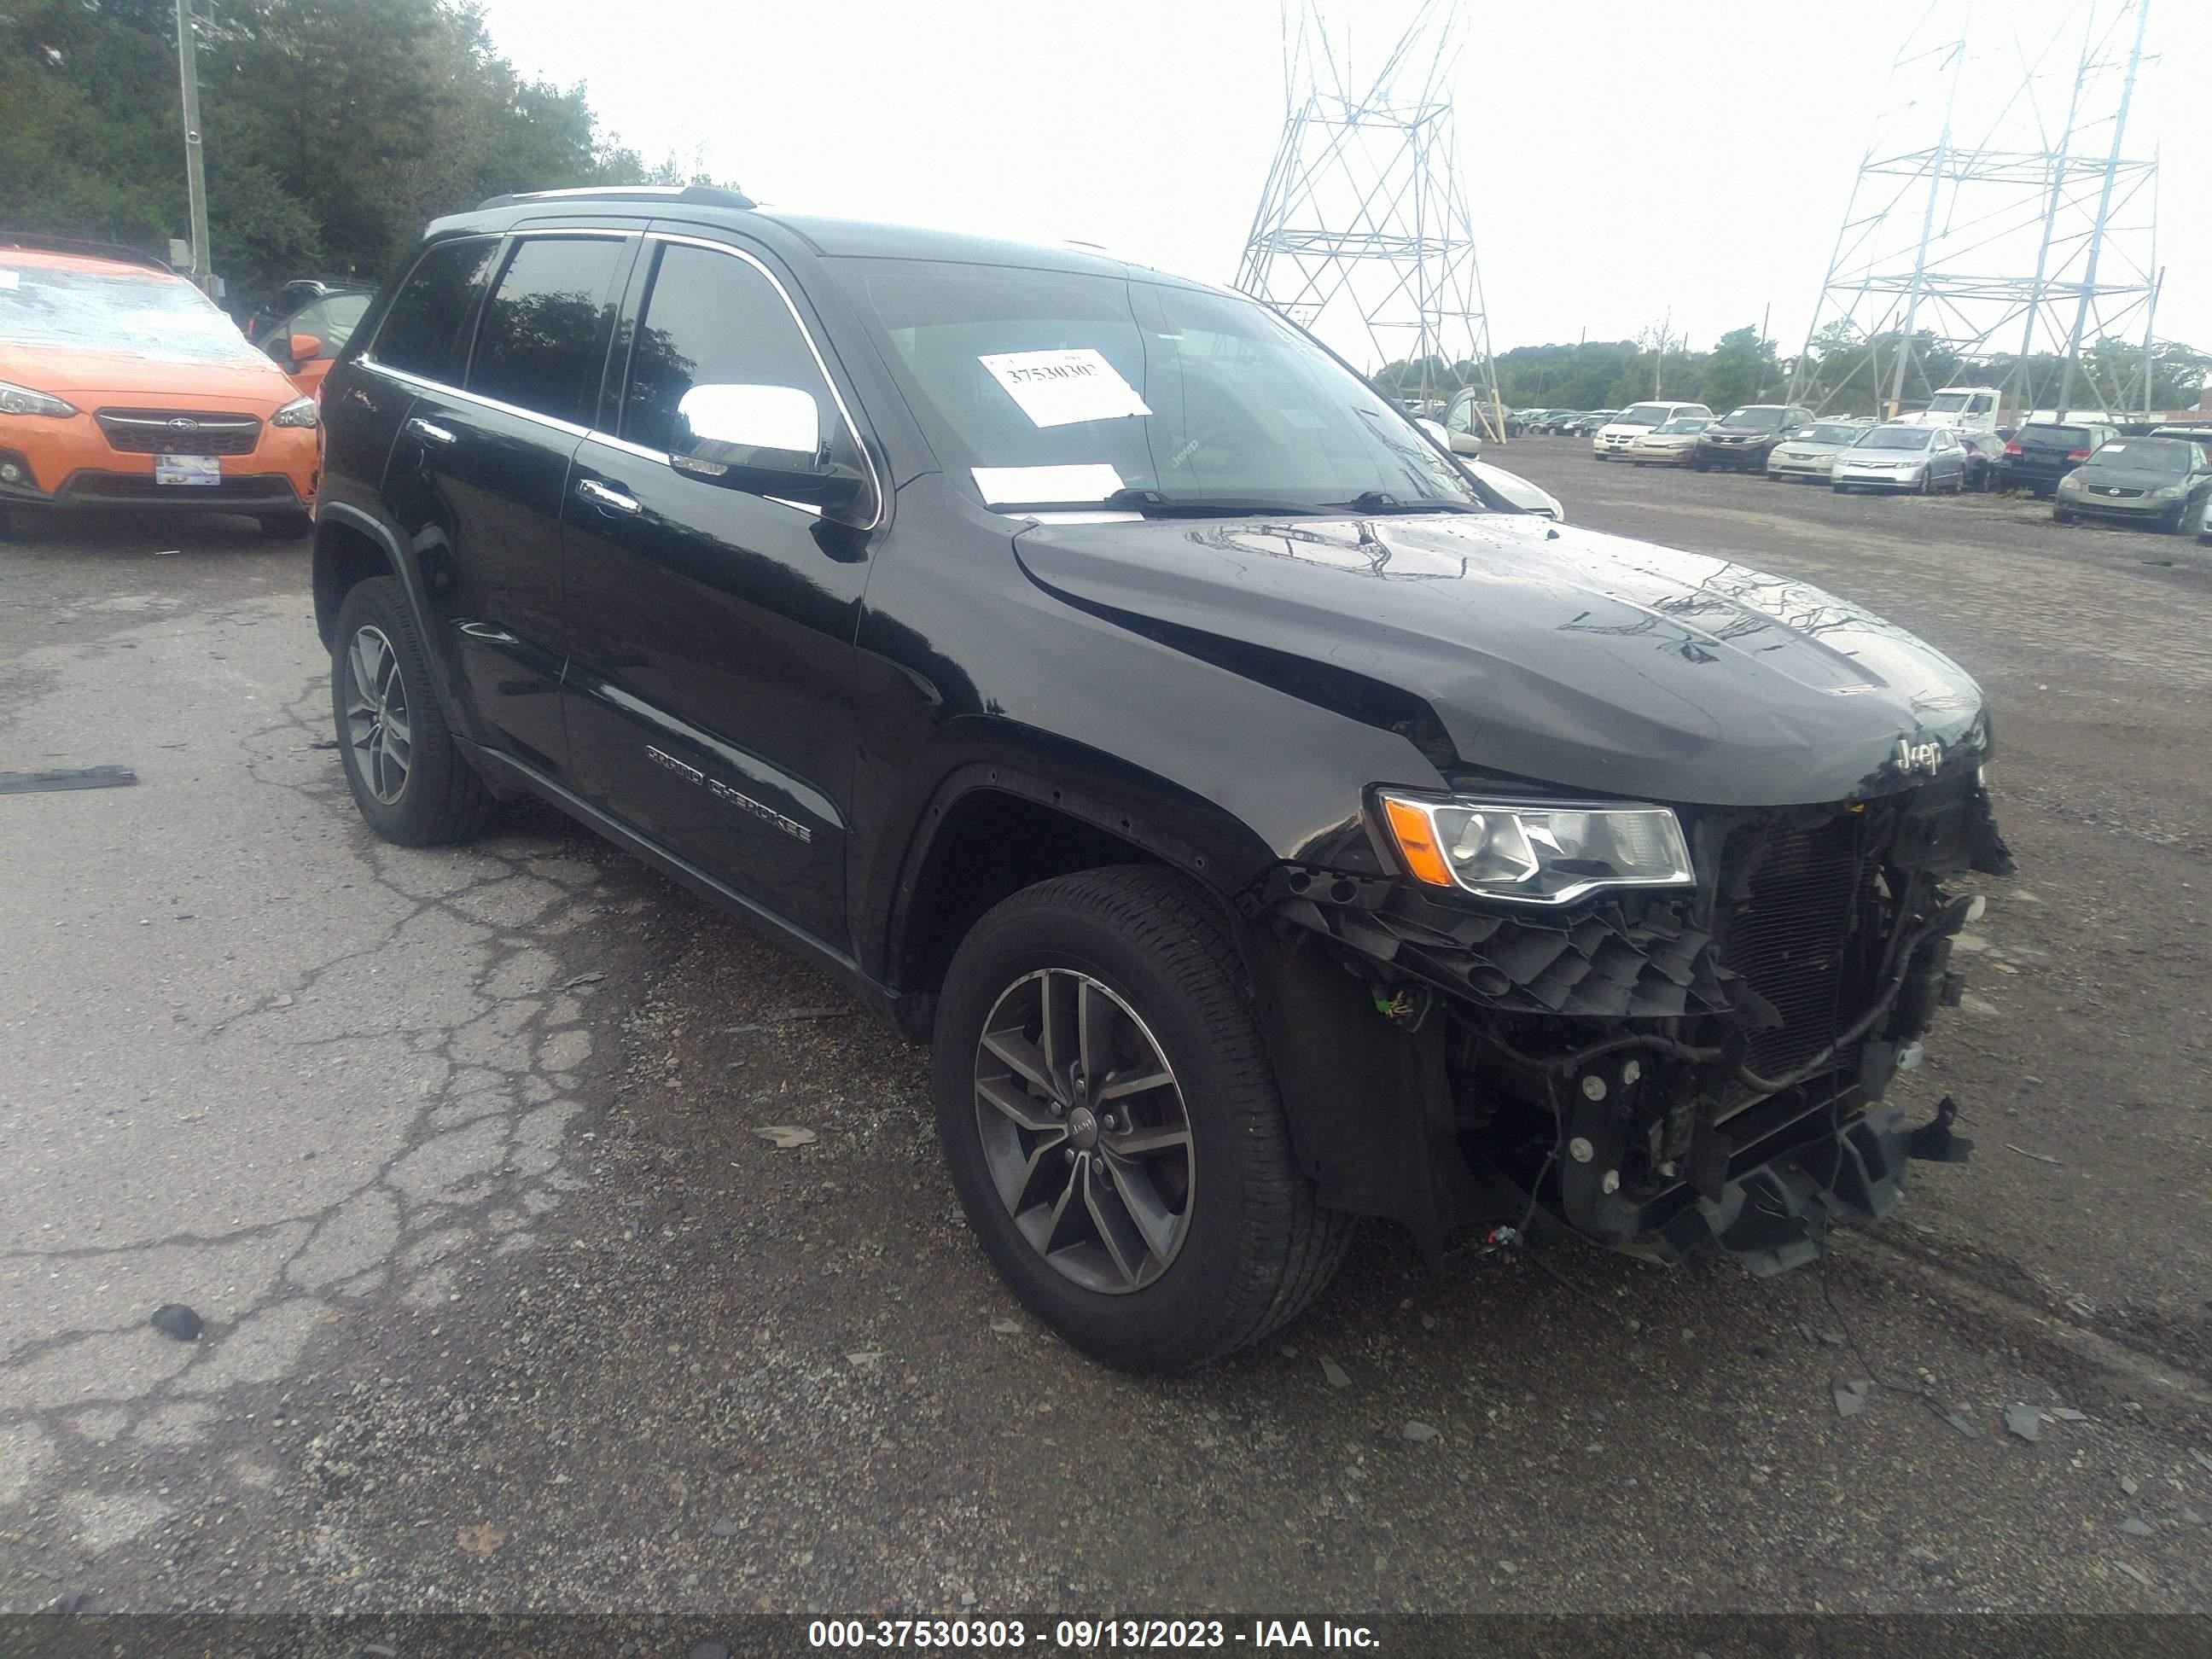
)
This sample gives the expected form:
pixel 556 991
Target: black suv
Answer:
pixel 1744 438
pixel 1267 825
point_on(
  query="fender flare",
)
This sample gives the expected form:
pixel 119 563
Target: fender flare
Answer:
pixel 411 579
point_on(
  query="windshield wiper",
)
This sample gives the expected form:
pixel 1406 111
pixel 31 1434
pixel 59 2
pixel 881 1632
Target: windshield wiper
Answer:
pixel 1154 505
pixel 1382 500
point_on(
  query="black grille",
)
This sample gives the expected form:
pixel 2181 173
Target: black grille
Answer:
pixel 89 489
pixel 178 432
pixel 1792 937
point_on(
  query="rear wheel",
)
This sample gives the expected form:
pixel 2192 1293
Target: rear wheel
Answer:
pixel 409 777
pixel 1112 1126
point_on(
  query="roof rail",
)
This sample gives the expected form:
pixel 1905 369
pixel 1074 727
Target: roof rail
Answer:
pixel 698 195
pixel 44 244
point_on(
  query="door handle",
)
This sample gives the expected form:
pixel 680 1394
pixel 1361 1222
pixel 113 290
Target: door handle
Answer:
pixel 430 431
pixel 607 499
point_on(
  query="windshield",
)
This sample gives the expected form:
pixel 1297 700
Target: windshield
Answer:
pixel 1947 402
pixel 146 316
pixel 1897 437
pixel 1687 424
pixel 1643 415
pixel 1052 387
pixel 2144 455
pixel 1761 417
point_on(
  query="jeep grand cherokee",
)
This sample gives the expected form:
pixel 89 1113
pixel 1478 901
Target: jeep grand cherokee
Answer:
pixel 1266 825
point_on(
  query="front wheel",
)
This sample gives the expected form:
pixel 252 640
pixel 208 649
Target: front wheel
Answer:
pixel 1111 1123
pixel 2060 515
pixel 287 525
pixel 408 776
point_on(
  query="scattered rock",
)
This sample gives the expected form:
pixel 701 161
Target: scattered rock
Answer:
pixel 480 1540
pixel 282 999
pixel 1338 1376
pixel 1417 1432
pixel 1007 1327
pixel 2023 1420
pixel 2203 1459
pixel 722 1527
pixel 2067 1414
pixel 2191 1517
pixel 967 1598
pixel 1850 1394
pixel 592 978
pixel 2136 1527
pixel 865 1356
pixel 786 1135
pixel 175 1319
pixel 2134 1572
pixel 2129 1485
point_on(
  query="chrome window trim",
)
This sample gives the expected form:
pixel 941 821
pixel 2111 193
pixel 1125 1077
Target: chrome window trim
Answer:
pixel 439 388
pixel 639 450
pixel 821 364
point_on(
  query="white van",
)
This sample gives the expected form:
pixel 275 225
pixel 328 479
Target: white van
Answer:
pixel 1614 437
pixel 1961 408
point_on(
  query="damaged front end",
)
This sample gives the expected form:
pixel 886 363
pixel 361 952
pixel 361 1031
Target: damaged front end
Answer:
pixel 1660 1070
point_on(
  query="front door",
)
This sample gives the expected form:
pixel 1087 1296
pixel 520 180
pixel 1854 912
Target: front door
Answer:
pixel 710 684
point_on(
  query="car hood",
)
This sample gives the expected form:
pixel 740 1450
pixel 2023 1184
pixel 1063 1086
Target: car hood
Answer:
pixel 2090 474
pixel 245 377
pixel 1559 655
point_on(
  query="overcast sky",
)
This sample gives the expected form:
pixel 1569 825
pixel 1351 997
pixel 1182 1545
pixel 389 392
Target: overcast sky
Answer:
pixel 1621 158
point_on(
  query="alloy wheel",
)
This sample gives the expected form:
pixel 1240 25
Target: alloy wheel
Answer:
pixel 377 724
pixel 1085 1130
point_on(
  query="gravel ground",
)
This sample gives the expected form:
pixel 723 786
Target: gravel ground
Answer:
pixel 508 1307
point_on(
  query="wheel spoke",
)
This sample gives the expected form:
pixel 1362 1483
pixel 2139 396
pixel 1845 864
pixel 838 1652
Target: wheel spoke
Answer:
pixel 1064 1227
pixel 1117 1230
pixel 1133 1080
pixel 1026 1111
pixel 367 649
pixel 1094 1025
pixel 1055 1022
pixel 1145 1141
pixel 1030 1183
pixel 1020 1054
pixel 1142 1203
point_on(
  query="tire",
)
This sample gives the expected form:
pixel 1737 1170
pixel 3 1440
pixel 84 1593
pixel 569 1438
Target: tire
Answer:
pixel 2060 515
pixel 287 527
pixel 1841 490
pixel 436 797
pixel 1701 466
pixel 1250 1247
pixel 1927 484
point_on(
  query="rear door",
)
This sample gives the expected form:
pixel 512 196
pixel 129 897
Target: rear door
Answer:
pixel 710 692
pixel 479 470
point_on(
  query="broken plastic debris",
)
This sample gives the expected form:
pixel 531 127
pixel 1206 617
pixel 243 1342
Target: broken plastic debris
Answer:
pixel 1007 1326
pixel 2067 1414
pixel 2023 1420
pixel 1417 1432
pixel 1851 1395
pixel 2129 1485
pixel 2039 1157
pixel 2134 1572
pixel 175 1319
pixel 1336 1376
pixel 592 978
pixel 78 777
pixel 865 1356
pixel 786 1135
pixel 1959 1421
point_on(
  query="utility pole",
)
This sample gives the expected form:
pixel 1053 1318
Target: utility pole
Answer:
pixel 1759 362
pixel 1659 368
pixel 1576 390
pixel 188 74
pixel 2103 210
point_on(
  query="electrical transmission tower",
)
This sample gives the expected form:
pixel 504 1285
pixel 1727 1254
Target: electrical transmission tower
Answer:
pixel 1997 226
pixel 1362 233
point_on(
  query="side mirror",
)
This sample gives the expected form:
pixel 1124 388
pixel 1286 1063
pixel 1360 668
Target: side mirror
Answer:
pixel 304 348
pixel 766 438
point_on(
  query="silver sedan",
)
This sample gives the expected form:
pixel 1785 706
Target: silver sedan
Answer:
pixel 1810 452
pixel 1922 459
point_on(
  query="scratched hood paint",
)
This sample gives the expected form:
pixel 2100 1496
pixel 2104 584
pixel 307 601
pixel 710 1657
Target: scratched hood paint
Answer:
pixel 1590 661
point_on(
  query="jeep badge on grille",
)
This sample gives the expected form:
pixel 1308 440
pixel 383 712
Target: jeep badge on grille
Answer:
pixel 1912 756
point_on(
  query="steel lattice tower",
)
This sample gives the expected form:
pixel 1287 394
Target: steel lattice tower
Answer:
pixel 1363 231
pixel 1997 224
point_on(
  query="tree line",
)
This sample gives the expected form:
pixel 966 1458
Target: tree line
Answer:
pixel 1843 372
pixel 332 129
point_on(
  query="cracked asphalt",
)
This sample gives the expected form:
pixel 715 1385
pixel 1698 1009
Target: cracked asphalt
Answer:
pixel 508 1306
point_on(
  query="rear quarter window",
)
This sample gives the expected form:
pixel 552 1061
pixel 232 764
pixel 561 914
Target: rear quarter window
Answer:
pixel 421 332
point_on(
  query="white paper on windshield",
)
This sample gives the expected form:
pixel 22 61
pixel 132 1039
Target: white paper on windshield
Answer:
pixel 2112 449
pixel 1059 388
pixel 1015 485
pixel 11 278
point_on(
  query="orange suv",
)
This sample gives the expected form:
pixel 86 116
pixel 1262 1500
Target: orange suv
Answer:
pixel 122 385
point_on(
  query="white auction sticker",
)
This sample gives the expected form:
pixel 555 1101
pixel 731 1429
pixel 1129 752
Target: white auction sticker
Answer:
pixel 1017 486
pixel 11 278
pixel 1059 388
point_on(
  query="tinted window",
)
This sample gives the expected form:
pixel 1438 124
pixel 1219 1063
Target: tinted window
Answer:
pixel 543 342
pixel 711 319
pixel 422 330
pixel 331 322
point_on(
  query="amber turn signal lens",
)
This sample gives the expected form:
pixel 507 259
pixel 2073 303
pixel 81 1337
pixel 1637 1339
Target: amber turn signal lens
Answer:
pixel 1416 843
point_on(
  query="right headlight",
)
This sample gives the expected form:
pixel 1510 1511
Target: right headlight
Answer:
pixel 22 400
pixel 1536 851
pixel 2069 484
